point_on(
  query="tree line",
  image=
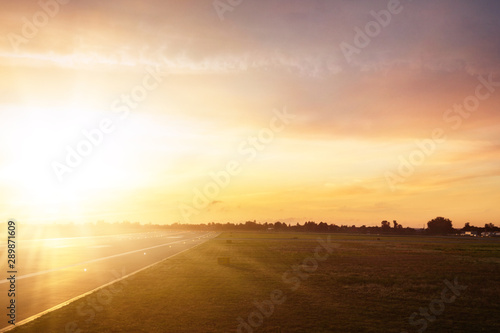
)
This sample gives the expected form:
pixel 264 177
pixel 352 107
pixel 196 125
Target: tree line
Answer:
pixel 437 226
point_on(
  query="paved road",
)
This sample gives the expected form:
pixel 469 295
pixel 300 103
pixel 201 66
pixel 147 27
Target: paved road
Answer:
pixel 53 271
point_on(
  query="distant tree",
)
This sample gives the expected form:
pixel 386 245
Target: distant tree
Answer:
pixel 310 226
pixel 440 226
pixel 489 227
pixel 251 225
pixel 395 223
pixel 385 225
pixel 322 227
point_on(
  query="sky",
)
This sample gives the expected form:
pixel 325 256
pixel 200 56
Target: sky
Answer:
pixel 347 112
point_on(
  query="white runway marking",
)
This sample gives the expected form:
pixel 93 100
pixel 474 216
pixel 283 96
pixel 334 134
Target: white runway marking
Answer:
pixel 88 262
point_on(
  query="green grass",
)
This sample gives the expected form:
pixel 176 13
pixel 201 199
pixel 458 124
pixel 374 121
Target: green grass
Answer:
pixel 365 285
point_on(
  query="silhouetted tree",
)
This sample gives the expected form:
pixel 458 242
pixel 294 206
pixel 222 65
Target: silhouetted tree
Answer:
pixel 440 226
pixel 278 225
pixel 385 225
pixel 322 227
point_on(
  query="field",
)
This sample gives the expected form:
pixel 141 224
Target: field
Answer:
pixel 301 283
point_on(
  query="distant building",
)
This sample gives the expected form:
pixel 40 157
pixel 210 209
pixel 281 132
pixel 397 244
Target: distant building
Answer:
pixel 490 234
pixel 470 233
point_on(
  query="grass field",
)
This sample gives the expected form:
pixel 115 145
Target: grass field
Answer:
pixel 348 284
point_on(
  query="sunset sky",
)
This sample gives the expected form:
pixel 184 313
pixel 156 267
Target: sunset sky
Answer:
pixel 404 125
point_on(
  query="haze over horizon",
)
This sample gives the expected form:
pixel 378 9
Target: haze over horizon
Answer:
pixel 272 110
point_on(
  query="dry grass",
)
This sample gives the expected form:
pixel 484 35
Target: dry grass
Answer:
pixel 366 285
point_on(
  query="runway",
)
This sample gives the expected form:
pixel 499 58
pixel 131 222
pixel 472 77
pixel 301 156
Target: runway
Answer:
pixel 53 271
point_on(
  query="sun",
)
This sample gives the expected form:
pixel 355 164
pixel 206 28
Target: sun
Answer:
pixel 27 172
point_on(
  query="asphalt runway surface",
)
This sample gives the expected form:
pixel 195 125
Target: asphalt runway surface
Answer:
pixel 52 271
